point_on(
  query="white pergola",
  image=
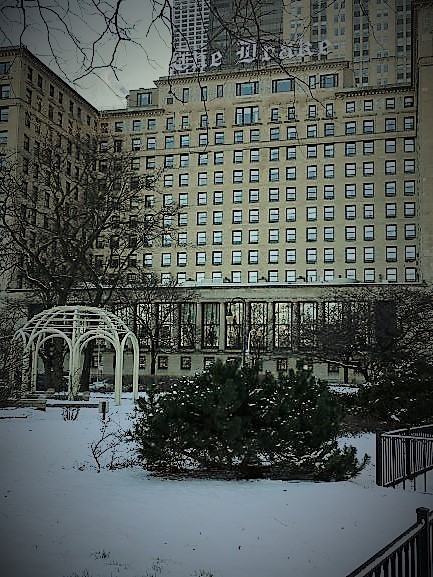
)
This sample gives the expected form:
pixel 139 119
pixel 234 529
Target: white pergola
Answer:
pixel 77 326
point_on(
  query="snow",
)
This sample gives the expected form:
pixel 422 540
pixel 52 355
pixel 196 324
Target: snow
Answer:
pixel 59 517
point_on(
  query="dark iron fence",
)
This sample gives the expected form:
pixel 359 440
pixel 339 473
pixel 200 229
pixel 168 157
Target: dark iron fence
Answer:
pixel 410 555
pixel 403 456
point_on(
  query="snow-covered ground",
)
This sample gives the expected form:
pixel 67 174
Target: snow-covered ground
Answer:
pixel 60 518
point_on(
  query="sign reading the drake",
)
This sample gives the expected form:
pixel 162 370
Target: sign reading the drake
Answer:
pixel 247 53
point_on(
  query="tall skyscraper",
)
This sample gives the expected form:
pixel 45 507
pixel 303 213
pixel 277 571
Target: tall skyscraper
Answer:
pixel 375 36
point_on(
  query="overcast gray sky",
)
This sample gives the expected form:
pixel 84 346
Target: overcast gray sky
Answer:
pixel 138 65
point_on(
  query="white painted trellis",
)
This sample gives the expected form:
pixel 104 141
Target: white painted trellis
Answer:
pixel 77 326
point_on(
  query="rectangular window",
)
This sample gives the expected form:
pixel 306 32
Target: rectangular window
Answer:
pixel 350 128
pixel 368 168
pixel 409 231
pixel 390 167
pixel 390 124
pixel 291 214
pixel 390 210
pixel 247 88
pixel 311 213
pixel 328 80
pixel 184 141
pixel 329 129
pixel 247 115
pixel 368 126
pixel 350 148
pixel 329 234
pixel 328 213
pixel 391 254
pixel 283 85
pixel 409 209
pixel 291 235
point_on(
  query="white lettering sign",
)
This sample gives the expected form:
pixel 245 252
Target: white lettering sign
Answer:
pixel 185 61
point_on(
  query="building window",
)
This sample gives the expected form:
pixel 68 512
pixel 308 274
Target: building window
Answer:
pixel 247 88
pixel 283 85
pixel 409 231
pixel 274 133
pixel 311 192
pixel 409 209
pixel 291 255
pixel 311 130
pixel 253 237
pixel 391 232
pixel 350 148
pixel 328 234
pixel 369 275
pixel 311 233
pixel 328 255
pixel 391 275
pixel 350 128
pixel 409 166
pixel 184 141
pixel 369 232
pixel 311 214
pixel 369 254
pixel 390 167
pixel 350 169
pixel 328 80
pixel 350 254
pixel 247 115
pixel 328 213
pixel 368 126
pixel 409 187
pixel 329 129
pixel 390 125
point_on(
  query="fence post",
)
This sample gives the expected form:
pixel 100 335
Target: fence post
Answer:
pixel 424 554
pixel 379 460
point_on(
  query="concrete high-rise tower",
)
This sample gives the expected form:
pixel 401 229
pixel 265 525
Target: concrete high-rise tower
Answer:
pixel 375 36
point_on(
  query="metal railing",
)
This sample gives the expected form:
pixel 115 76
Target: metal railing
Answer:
pixel 409 555
pixel 404 455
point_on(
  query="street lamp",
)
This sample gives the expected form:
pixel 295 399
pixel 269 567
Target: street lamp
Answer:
pixel 231 320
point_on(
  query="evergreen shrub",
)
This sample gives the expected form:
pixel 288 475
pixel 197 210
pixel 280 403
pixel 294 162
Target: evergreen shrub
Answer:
pixel 231 421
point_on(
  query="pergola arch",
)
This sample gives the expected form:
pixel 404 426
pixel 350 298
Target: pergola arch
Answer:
pixel 77 326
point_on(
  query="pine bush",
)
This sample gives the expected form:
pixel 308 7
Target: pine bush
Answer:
pixel 231 421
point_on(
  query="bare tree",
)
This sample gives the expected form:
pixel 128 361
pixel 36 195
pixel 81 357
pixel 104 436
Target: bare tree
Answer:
pixel 79 37
pixel 155 309
pixel 365 329
pixel 11 315
pixel 74 236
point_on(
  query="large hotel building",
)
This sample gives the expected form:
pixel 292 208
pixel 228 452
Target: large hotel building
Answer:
pixel 298 150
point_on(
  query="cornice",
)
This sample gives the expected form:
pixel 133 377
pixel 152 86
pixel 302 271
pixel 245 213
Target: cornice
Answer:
pixel 392 89
pixel 228 74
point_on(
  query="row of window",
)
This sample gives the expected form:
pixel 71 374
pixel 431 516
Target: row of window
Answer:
pixel 367 189
pixel 273 235
pixel 240 176
pixel 290 256
pixel 389 146
pixel 291 214
pixel 246 116
pixel 250 88
pixel 291 276
pixel 312 234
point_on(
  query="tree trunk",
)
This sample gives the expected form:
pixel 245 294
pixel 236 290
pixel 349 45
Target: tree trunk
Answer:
pixel 87 363
pixel 54 356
